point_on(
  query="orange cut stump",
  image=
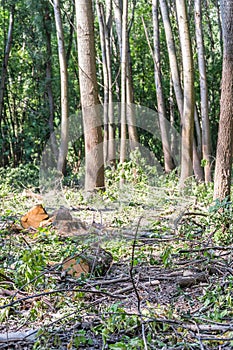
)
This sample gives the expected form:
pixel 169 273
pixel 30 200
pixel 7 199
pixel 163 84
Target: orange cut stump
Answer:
pixel 34 217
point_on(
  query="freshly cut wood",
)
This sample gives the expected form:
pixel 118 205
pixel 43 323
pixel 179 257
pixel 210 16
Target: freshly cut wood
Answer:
pixel 94 260
pixel 75 267
pixel 34 217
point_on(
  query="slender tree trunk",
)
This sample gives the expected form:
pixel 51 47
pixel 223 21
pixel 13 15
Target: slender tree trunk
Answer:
pixel 206 149
pixel 47 26
pixel 172 56
pixel 188 108
pixel 175 76
pixel 118 9
pixel 197 168
pixel 223 169
pixel 168 161
pixel 129 99
pixel 131 122
pixel 124 57
pixel 111 124
pixel 174 149
pixel 102 28
pixel 71 33
pixel 94 176
pixel 63 149
pixel 6 59
pixel 219 21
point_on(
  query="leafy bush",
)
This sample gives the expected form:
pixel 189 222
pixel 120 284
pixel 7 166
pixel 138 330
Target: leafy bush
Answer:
pixel 221 219
pixel 29 267
pixel 18 178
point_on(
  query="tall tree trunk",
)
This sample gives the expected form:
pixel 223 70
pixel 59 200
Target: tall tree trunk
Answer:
pixel 206 149
pixel 129 99
pixel 172 56
pixel 219 21
pixel 124 58
pixel 118 9
pixel 131 121
pixel 71 33
pixel 6 58
pixel 168 161
pixel 105 24
pixel 47 26
pixel 175 76
pixel 173 146
pixel 102 29
pixel 111 124
pixel 94 171
pixel 223 169
pixel 188 108
pixel 63 149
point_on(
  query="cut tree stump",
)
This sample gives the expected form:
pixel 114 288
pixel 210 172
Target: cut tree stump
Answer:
pixel 64 222
pixel 94 260
pixel 34 217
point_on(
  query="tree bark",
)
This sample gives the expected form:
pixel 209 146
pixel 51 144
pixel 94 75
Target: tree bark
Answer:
pixel 47 26
pixel 172 57
pixel 111 124
pixel 175 75
pixel 129 94
pixel 102 30
pixel 124 58
pixel 94 171
pixel 131 121
pixel 6 58
pixel 206 149
pixel 223 169
pixel 188 108
pixel 168 161
pixel 63 149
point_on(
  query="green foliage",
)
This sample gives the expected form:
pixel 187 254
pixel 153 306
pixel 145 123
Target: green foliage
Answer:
pixel 203 192
pixel 29 266
pixel 219 299
pixel 24 124
pixel 128 343
pixel 221 219
pixel 131 171
pixel 115 320
pixel 173 237
pixel 25 175
pixel 167 256
pixel 81 339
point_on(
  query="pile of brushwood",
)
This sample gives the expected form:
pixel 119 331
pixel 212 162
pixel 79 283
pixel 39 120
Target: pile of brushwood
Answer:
pixel 141 267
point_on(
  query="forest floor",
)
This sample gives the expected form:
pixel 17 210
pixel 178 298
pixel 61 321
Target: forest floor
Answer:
pixel 169 285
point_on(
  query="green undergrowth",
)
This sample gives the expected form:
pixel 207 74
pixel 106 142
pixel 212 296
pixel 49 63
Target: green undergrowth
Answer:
pixel 156 234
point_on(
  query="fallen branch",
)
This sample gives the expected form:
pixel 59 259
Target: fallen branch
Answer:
pixel 135 287
pixel 29 335
pixel 221 328
pixel 110 281
pixel 188 281
pixel 95 291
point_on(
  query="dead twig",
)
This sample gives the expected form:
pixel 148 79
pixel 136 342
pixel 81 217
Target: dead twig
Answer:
pixel 62 290
pixel 134 285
